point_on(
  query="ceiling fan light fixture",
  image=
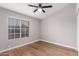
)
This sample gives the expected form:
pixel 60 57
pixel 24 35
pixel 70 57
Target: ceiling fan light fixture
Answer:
pixel 39 9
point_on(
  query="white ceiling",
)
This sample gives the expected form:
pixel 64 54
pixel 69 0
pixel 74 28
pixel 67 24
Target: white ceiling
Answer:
pixel 25 9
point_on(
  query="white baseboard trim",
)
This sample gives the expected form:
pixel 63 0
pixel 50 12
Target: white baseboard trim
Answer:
pixel 60 44
pixel 36 41
pixel 18 46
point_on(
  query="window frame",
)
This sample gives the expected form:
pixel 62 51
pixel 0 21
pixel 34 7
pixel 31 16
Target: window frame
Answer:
pixel 20 24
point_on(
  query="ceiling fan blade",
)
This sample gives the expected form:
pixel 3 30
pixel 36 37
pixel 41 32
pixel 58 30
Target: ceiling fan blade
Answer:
pixel 43 11
pixel 35 10
pixel 46 6
pixel 32 6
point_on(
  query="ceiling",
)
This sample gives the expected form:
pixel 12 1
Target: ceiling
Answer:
pixel 26 10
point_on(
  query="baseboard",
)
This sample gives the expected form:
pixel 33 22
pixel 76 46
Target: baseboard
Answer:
pixel 60 45
pixel 18 46
pixel 36 41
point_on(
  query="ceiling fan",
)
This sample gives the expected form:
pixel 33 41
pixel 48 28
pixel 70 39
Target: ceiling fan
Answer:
pixel 40 7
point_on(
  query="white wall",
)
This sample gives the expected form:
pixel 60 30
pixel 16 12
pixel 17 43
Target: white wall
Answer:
pixel 61 27
pixel 77 10
pixel 33 35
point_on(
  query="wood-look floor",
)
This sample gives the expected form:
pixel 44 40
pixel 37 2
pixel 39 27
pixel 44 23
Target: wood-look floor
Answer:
pixel 41 48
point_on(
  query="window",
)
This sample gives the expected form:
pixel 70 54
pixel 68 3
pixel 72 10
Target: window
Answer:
pixel 17 28
pixel 24 28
